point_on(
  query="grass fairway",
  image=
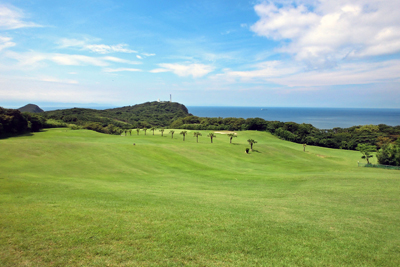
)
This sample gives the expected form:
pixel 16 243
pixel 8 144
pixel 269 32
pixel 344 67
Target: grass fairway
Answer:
pixel 80 198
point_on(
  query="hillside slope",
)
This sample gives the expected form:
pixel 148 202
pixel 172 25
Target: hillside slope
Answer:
pixel 158 114
pixel 80 198
pixel 32 108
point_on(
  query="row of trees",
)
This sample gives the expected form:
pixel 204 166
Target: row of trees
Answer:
pixel 197 134
pixel 378 138
pixel 345 138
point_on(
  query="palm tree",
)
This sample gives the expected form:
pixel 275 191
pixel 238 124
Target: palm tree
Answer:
pixel 251 142
pixel 137 130
pixel 144 129
pixel 197 134
pixel 162 132
pixel 183 133
pixel 231 135
pixel 152 129
pixel 211 135
pixel 172 134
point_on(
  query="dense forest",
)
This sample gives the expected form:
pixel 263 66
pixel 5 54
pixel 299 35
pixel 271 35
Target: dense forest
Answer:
pixel 13 122
pixel 156 114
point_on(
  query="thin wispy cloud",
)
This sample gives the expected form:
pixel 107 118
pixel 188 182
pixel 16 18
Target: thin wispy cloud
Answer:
pixel 32 58
pixel 148 54
pixel 5 42
pixel 121 69
pixel 184 70
pixel 13 18
pixel 95 48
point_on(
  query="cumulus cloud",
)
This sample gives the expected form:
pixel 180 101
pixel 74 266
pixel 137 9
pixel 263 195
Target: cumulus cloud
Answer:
pixel 96 48
pixel 329 31
pixel 13 18
pixel 194 70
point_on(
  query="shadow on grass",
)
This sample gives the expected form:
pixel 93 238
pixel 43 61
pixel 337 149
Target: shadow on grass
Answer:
pixel 16 136
pixel 255 150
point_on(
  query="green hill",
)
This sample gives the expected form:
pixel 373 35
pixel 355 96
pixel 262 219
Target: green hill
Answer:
pixel 81 198
pixel 159 114
pixel 32 108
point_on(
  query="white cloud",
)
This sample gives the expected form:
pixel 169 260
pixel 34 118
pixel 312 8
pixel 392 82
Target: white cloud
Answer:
pixel 293 76
pixel 139 57
pixel 349 73
pixel 332 30
pixel 263 71
pixel 194 70
pixel 106 49
pixel 56 80
pixel 77 60
pixel 159 70
pixel 120 60
pixel 96 48
pixel 32 58
pixel 5 42
pixel 148 54
pixel 121 69
pixel 52 90
pixel 13 18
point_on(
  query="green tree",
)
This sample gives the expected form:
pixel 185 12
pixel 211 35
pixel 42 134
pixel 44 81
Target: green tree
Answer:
pixel 231 135
pixel 125 132
pixel 211 135
pixel 251 142
pixel 152 129
pixel 162 132
pixel 137 130
pixel 172 133
pixel 145 130
pixel 184 134
pixel 197 134
pixel 130 132
pixel 366 151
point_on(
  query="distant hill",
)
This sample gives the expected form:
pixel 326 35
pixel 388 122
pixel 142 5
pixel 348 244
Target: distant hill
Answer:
pixel 157 114
pixel 32 108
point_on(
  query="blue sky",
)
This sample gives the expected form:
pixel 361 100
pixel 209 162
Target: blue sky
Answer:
pixel 205 53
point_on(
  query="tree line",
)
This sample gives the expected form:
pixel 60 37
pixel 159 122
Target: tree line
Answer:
pixel 381 138
pixel 13 122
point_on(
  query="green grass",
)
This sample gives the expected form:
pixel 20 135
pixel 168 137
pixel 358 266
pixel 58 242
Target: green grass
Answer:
pixel 80 198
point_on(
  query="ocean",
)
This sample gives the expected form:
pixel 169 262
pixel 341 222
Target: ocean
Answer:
pixel 322 118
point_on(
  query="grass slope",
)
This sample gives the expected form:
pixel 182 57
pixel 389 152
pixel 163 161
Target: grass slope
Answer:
pixel 80 198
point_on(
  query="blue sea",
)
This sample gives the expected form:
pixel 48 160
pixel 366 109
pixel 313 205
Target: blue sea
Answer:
pixel 322 118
